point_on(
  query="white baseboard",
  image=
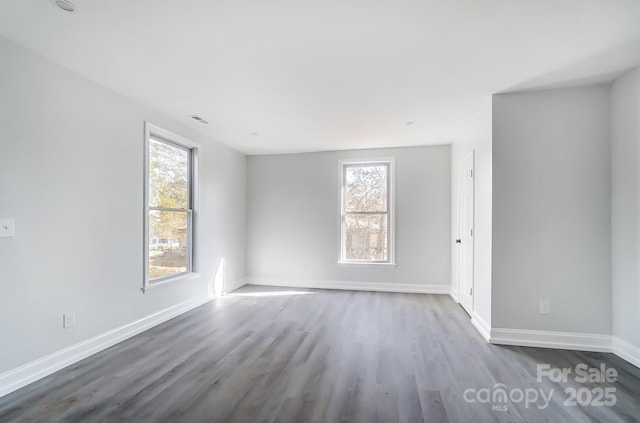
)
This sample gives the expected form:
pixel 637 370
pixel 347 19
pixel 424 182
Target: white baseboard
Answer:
pixel 232 286
pixel 567 341
pixel 453 293
pixel 17 378
pixel 548 339
pixel 351 285
pixel 481 324
pixel 626 351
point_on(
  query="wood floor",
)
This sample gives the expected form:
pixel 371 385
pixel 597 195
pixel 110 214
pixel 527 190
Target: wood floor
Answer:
pixel 316 356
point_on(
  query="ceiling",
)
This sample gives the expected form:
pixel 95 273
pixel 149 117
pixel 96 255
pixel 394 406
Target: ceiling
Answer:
pixel 314 75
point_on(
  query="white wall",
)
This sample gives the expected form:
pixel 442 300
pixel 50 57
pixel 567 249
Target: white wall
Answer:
pixel 552 210
pixel 71 156
pixel 625 151
pixel 294 217
pixel 481 146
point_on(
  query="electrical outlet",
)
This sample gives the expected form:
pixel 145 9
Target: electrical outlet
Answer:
pixel 68 320
pixel 545 307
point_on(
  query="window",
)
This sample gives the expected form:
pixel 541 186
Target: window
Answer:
pixel 366 212
pixel 170 182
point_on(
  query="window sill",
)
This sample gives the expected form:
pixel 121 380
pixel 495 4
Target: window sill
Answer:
pixel 366 264
pixel 177 278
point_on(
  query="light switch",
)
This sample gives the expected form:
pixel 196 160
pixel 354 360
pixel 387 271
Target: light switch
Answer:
pixel 68 320
pixel 7 228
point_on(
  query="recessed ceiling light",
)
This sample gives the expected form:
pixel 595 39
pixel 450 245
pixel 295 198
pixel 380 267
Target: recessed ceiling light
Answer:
pixel 65 5
pixel 254 133
pixel 410 123
pixel 199 119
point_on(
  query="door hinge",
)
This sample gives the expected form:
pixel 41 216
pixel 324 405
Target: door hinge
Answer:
pixel 470 291
pixel 471 232
pixel 472 173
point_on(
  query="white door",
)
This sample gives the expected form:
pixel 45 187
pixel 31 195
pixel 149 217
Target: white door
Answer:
pixel 464 240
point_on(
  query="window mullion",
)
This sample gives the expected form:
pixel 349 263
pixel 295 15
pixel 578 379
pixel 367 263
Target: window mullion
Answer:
pixel 169 209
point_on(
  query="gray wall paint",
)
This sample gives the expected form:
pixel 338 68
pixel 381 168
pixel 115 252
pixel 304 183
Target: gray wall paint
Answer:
pixel 552 210
pixel 294 217
pixel 625 150
pixel 71 155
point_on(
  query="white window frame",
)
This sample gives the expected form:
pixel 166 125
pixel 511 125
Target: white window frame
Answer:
pixel 391 226
pixel 169 137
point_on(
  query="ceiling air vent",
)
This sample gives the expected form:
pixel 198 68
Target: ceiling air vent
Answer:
pixel 199 119
pixel 65 5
